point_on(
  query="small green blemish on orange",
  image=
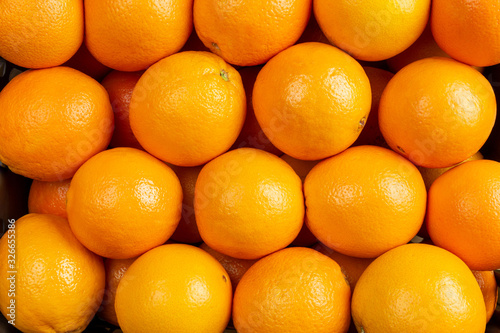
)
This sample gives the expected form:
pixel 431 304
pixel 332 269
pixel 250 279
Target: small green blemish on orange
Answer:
pixel 224 75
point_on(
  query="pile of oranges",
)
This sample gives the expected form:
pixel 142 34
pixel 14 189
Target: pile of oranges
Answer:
pixel 268 166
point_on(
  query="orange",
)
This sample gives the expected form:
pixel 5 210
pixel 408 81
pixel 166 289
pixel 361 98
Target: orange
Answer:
pixel 188 108
pixel 418 288
pixel 374 30
pixel 51 121
pixel 119 86
pixel 39 34
pixel 86 63
pixel 371 135
pixel 187 230
pixel 132 35
pixel 352 267
pixel 234 267
pixel 462 213
pixel 174 288
pixel 429 175
pixel 50 281
pixel 293 290
pixel 365 201
pixel 252 135
pixel 123 202
pixel 478 23
pixel 248 33
pixel 48 197
pixel 302 168
pixel 450 110
pixel 489 288
pixel 248 203
pixel 115 269
pixel 312 100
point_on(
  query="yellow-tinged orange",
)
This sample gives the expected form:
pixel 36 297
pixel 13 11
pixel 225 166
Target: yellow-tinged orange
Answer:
pixel 234 267
pixel 174 288
pixel 418 288
pixel 248 203
pixel 58 284
pixel 450 109
pixel 462 213
pixel 372 30
pixel 40 34
pixel 51 121
pixel 48 197
pixel 293 290
pixel 365 201
pixel 188 108
pixel 247 32
pixel 131 35
pixel 115 269
pixel 312 100
pixel 468 30
pixel 123 202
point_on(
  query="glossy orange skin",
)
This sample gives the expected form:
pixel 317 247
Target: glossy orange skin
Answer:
pixel 489 288
pixel 51 121
pixel 248 203
pixel 187 230
pixel 58 282
pixel 174 288
pixel 365 201
pixel 189 120
pixel 138 33
pixel 462 213
pixel 312 100
pixel 374 30
pixel 478 21
pixel 293 290
pixel 248 33
pixel 48 197
pixel 123 202
pixel 252 135
pixel 115 269
pixel 234 267
pixel 418 288
pixel 119 86
pixel 40 34
pixel 450 112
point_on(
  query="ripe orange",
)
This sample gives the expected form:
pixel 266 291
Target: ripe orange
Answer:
pixel 312 100
pixel 365 201
pixel 252 135
pixel 119 86
pixel 133 35
pixel 174 288
pixel 248 203
pixel 249 33
pixel 371 135
pixel 293 290
pixel 478 22
pixel 302 168
pixel 55 283
pixel 123 202
pixel 187 230
pixel 489 289
pixel 462 213
pixel 51 121
pixel 351 267
pixel 418 288
pixel 234 267
pixel 450 112
pixel 48 197
pixel 86 63
pixel 374 30
pixel 115 269
pixel 188 108
pixel 39 34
